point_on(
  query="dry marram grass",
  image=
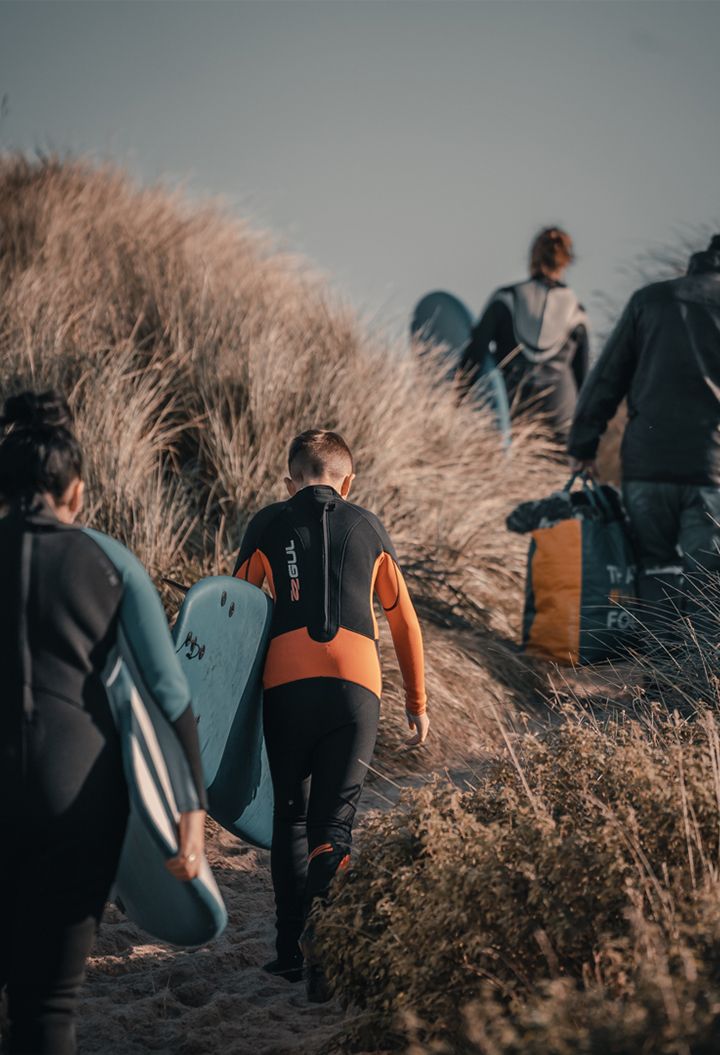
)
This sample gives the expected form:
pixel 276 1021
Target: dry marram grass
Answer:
pixel 192 350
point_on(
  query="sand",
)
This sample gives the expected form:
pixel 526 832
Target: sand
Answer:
pixel 143 996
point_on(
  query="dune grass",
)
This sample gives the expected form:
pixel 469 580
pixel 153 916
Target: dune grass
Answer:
pixel 193 348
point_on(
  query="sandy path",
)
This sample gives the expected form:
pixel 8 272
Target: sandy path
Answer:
pixel 142 997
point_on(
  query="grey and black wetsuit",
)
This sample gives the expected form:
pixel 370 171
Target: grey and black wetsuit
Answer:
pixel 537 333
pixel 66 592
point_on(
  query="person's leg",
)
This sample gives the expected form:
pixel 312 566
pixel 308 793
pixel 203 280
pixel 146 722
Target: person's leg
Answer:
pixel 70 823
pixel 700 545
pixel 58 904
pixel 654 512
pixel 7 902
pixel 340 762
pixel 47 972
pixel 286 726
pixel 349 715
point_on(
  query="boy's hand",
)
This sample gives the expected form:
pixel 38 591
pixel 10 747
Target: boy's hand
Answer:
pixel 421 724
pixel 191 837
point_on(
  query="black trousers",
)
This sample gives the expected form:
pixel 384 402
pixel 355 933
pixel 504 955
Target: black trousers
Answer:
pixel 320 735
pixel 62 824
pixel 677 534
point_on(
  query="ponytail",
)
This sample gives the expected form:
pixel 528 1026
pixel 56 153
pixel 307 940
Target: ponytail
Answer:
pixel 39 453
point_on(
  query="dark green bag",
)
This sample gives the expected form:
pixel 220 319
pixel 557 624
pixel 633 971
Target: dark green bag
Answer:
pixel 581 575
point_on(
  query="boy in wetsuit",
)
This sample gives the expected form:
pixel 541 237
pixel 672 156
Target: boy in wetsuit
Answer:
pixel 324 560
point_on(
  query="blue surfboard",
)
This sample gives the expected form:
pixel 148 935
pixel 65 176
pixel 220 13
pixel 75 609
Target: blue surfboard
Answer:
pixel 441 319
pixel 157 774
pixel 222 633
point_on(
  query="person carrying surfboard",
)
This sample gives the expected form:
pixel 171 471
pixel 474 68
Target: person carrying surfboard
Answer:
pixel 324 560
pixel 537 333
pixel 68 594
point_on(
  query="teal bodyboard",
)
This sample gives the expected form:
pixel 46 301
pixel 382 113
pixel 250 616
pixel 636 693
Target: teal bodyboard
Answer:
pixel 441 319
pixel 157 775
pixel 222 634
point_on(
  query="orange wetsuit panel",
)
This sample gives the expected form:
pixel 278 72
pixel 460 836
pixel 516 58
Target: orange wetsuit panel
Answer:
pixel 256 569
pixel 393 595
pixel 348 656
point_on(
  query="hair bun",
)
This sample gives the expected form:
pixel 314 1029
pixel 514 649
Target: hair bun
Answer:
pixel 714 246
pixel 37 410
pixel 550 252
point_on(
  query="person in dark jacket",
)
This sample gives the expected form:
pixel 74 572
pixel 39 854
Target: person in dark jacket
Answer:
pixel 537 333
pixel 664 356
pixel 67 594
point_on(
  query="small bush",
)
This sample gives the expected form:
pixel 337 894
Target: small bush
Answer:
pixel 568 901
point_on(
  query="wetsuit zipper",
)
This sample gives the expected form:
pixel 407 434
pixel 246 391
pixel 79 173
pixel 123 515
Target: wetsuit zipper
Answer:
pixel 26 659
pixel 326 572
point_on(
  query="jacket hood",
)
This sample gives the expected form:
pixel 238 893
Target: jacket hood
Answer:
pixel 544 315
pixel 709 260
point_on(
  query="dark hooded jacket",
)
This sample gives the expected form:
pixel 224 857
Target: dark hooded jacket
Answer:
pixel 537 333
pixel 664 355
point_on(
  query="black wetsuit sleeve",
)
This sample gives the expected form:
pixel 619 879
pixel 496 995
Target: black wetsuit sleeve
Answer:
pixel 581 359
pixel 486 332
pixel 607 384
pixel 250 543
pixel 250 563
pixel 385 542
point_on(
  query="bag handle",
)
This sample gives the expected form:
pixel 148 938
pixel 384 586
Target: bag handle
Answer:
pixel 593 492
pixel 569 485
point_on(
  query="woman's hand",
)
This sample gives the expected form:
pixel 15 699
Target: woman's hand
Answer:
pixel 191 849
pixel 421 724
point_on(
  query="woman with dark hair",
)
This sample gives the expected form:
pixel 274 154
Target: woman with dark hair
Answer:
pixel 537 333
pixel 67 593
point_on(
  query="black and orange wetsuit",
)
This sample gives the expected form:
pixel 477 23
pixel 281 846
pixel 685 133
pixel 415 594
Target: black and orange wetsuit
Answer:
pixel 324 560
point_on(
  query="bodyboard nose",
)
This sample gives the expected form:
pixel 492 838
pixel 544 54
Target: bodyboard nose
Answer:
pixel 441 319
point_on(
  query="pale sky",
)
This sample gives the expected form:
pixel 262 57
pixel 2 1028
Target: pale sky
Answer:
pixel 402 145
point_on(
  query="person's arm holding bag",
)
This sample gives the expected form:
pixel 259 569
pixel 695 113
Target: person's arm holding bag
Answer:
pixel 602 392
